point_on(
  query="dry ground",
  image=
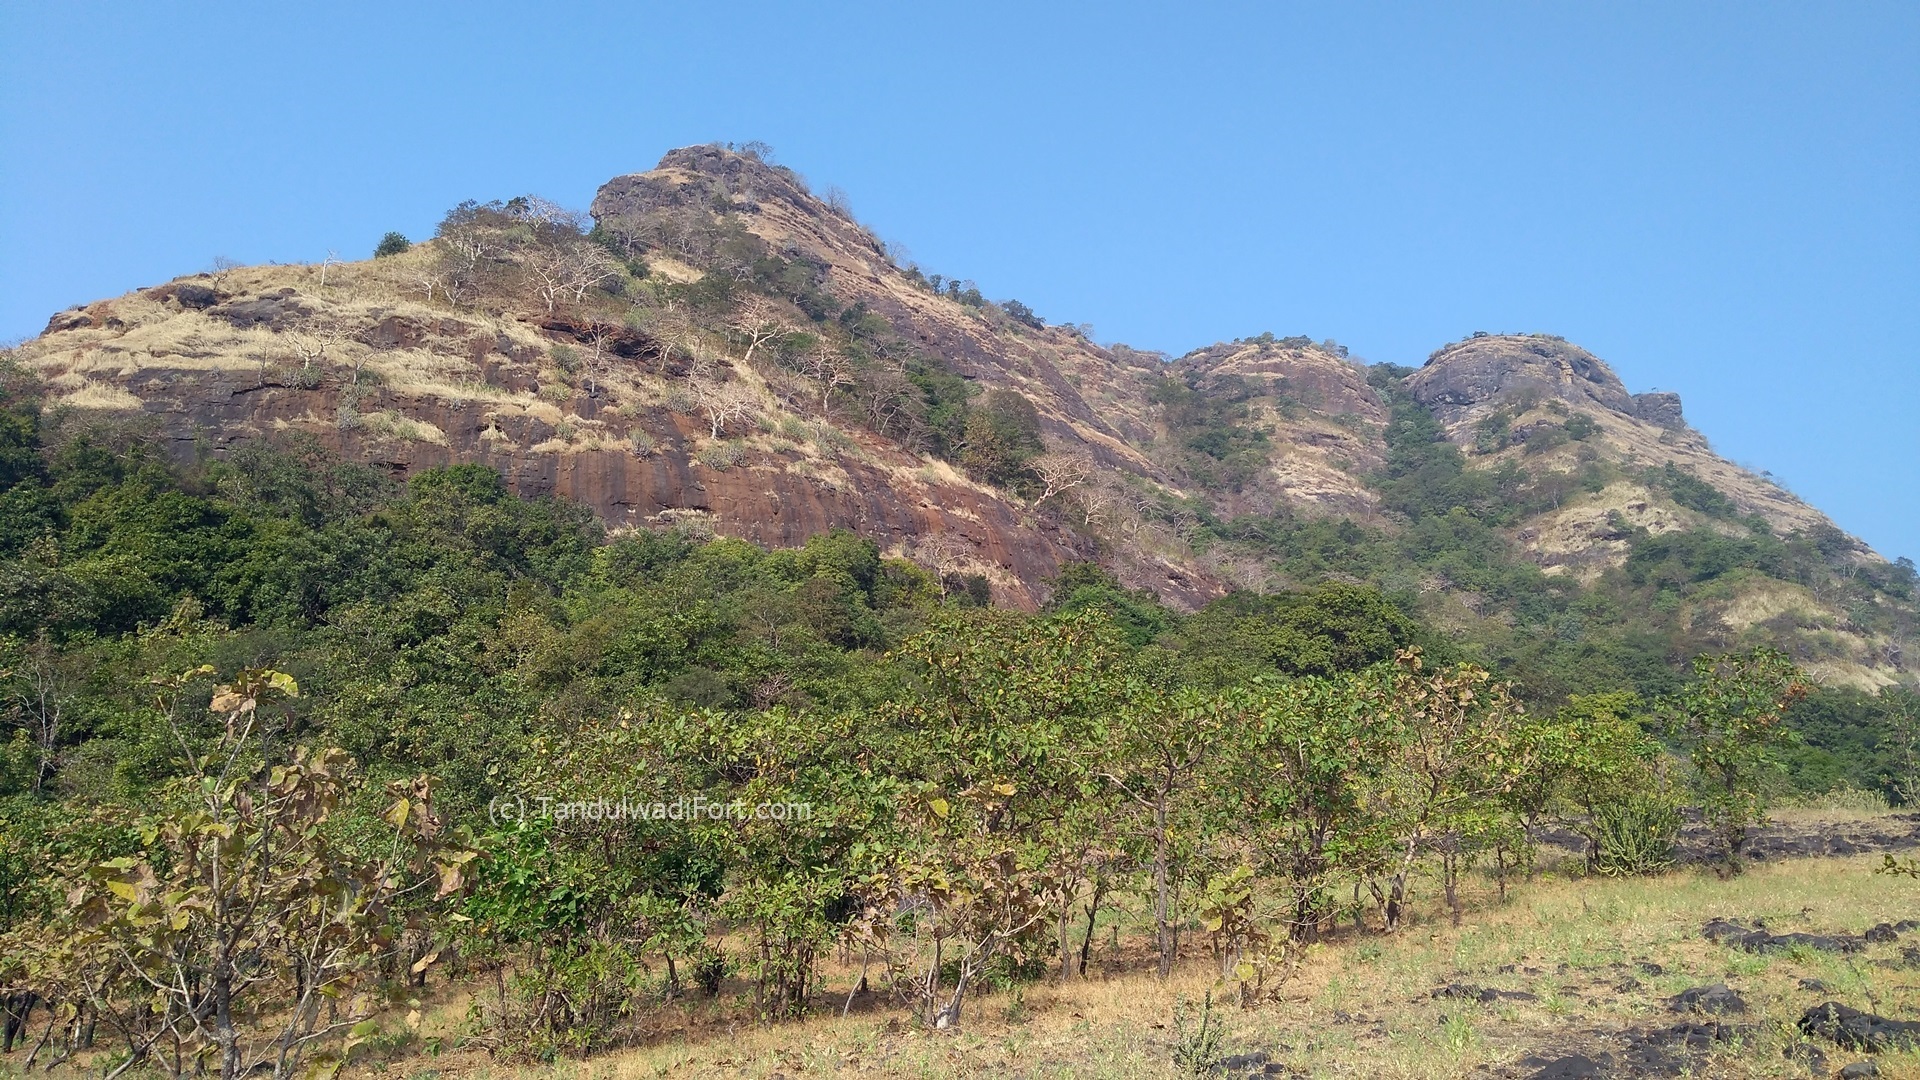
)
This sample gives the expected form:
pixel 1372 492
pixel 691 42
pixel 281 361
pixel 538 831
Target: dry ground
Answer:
pixel 1601 955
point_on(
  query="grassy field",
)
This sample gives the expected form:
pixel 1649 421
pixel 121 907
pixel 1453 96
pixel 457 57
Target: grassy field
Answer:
pixel 1602 956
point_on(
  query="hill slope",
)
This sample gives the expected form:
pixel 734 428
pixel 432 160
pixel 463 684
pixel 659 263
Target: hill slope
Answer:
pixel 717 345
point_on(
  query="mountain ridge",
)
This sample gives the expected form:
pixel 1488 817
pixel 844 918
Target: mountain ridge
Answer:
pixel 716 345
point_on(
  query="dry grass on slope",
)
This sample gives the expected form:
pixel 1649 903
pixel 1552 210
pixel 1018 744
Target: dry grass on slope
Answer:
pixel 1600 957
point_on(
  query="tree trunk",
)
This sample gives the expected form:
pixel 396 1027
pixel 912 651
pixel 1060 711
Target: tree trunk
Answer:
pixel 1162 928
pixel 1093 908
pixel 1060 935
pixel 223 1029
pixel 1450 877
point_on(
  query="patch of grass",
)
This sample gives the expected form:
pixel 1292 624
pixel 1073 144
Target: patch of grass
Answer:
pixel 721 455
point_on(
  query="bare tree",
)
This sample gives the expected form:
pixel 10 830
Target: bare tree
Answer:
pixel 722 400
pixel 1060 471
pixel 567 268
pixel 313 338
pixel 827 370
pixel 1098 500
pixel 889 397
pixel 757 323
pixel 596 361
pixel 946 554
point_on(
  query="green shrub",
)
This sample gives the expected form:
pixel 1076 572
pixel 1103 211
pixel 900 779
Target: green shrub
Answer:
pixel 1634 835
pixel 392 244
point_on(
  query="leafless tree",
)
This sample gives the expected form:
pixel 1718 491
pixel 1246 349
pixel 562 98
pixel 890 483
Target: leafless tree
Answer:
pixel 946 554
pixel 1098 501
pixel 567 268
pixel 596 361
pixel 313 338
pixel 723 400
pixel 826 370
pixel 1061 471
pixel 889 397
pixel 758 324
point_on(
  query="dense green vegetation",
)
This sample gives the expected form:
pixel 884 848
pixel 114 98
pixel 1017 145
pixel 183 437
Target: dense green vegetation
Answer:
pixel 347 680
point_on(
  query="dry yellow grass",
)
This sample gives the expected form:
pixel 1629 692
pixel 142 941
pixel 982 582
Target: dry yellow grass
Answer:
pixel 1357 1006
pixel 100 396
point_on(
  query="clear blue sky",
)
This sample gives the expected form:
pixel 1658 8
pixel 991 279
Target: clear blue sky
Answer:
pixel 1718 199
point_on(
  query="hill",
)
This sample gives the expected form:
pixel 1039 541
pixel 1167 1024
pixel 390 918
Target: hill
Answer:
pixel 717 345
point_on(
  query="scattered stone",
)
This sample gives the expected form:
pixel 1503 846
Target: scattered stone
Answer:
pixel 1485 995
pixel 1650 969
pixel 1905 925
pixel 1571 1067
pixel 1857 1030
pixel 1722 931
pixel 1257 1063
pixel 1816 986
pixel 1752 939
pixel 1859 1070
pixel 1715 999
pixel 1882 934
pixel 1809 1057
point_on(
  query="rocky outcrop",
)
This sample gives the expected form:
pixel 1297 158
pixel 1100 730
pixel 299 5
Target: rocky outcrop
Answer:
pixel 1660 409
pixel 1469 379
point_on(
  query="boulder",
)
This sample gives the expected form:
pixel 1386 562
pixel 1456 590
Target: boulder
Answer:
pixel 1857 1030
pixel 1716 999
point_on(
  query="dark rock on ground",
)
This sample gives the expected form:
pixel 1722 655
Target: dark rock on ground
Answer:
pixel 1859 1070
pixel 1716 999
pixel 1759 940
pixel 1882 934
pixel 1857 1030
pixel 1467 992
pixel 1571 1067
pixel 1257 1063
pixel 1810 1056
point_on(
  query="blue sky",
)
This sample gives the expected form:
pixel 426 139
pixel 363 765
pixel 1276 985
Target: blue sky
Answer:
pixel 1718 199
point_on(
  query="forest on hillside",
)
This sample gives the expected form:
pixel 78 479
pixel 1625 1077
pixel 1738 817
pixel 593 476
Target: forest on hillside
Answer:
pixel 285 737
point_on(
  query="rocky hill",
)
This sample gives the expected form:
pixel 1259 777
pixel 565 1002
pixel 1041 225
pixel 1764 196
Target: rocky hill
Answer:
pixel 716 346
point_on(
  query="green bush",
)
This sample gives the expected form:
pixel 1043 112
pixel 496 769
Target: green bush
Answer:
pixel 392 244
pixel 1634 835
